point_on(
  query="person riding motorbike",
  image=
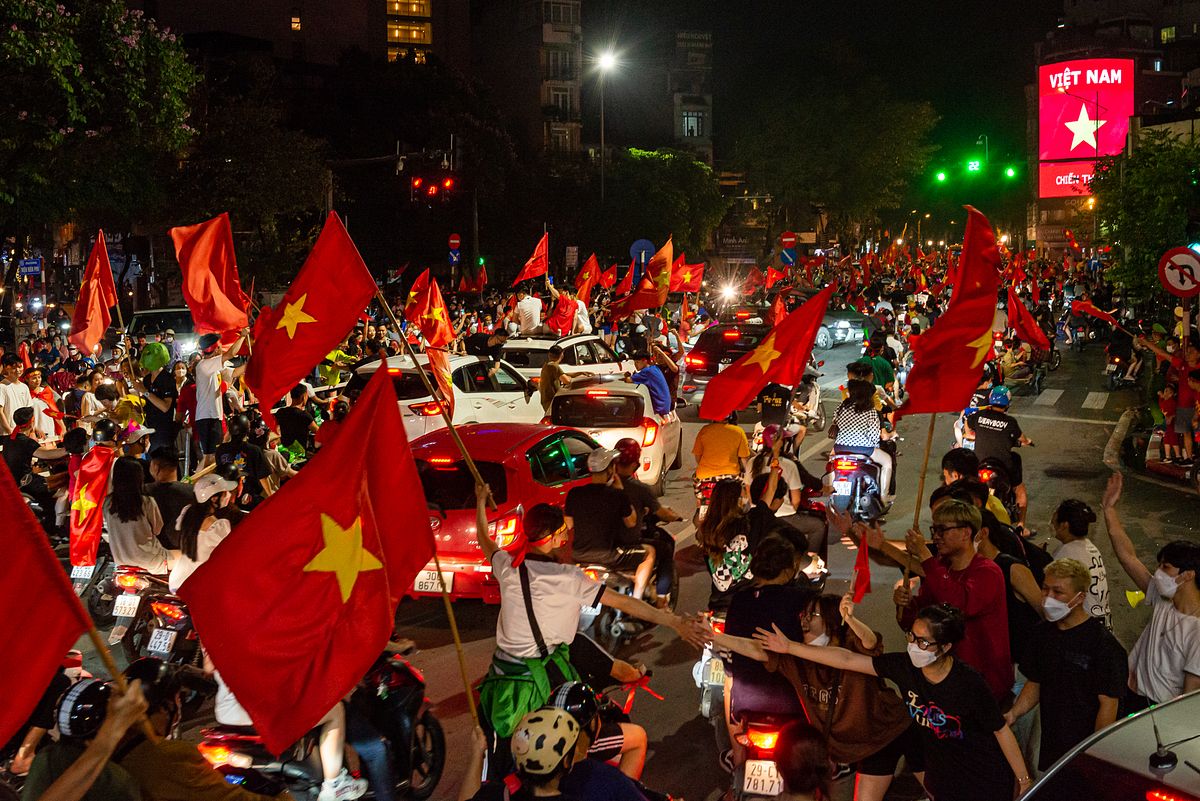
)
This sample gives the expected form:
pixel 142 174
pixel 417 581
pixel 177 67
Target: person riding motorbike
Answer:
pixel 858 428
pixel 251 461
pixel 721 450
pixel 650 512
pixel 619 737
pixel 996 433
pixel 603 737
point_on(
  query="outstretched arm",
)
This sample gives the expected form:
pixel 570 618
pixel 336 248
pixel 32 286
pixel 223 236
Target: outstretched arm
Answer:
pixel 644 611
pixel 777 642
pixel 1122 545
pixel 486 543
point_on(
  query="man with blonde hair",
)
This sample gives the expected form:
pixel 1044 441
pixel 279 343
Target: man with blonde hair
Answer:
pixel 1076 669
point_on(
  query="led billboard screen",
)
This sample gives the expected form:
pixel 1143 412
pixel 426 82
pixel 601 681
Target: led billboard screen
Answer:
pixel 1065 178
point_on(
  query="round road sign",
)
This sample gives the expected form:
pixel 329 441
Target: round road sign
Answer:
pixel 641 251
pixel 1179 272
pixel 788 239
pixel 455 241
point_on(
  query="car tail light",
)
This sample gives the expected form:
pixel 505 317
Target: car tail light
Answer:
pixel 718 625
pixel 218 755
pixel 426 409
pixel 131 582
pixel 844 465
pixel 731 333
pixel 597 392
pixel 741 315
pixel 1165 795
pixel 167 611
pixel 763 739
pixel 395 371
pixel 650 432
pixel 504 531
pixel 694 361
pixel 986 475
pixel 441 461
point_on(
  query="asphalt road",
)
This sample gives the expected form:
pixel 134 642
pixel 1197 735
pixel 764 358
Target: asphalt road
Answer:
pixel 1071 422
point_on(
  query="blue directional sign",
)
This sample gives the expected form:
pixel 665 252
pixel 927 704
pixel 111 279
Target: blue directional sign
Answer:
pixel 641 251
pixel 788 256
pixel 455 257
pixel 30 266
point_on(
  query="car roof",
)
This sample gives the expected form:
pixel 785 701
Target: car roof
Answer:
pixel 544 343
pixel 492 442
pixel 405 363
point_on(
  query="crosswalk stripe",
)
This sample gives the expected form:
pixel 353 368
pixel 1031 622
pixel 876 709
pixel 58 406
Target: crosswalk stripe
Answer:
pixel 1095 400
pixel 1049 397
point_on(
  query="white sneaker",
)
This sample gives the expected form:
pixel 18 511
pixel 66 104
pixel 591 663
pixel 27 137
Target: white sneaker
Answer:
pixel 343 788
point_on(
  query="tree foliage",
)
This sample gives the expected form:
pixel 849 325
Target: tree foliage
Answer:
pixel 94 97
pixel 1144 201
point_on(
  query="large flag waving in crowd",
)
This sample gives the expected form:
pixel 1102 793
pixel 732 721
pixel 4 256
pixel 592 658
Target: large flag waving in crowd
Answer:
pixel 538 263
pixel 653 290
pixel 97 294
pixel 210 276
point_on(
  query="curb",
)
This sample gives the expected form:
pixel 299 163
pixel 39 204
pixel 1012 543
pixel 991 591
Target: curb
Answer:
pixel 1112 448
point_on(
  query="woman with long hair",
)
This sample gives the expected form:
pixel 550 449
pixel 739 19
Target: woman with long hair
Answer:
pixel 202 527
pixel 865 723
pixel 134 521
pixel 725 537
pixel 962 730
pixel 858 427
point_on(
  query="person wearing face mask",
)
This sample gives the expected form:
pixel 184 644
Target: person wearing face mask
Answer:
pixel 864 723
pixel 201 530
pixel 1072 520
pixel 1074 666
pixel 1165 661
pixel 970 753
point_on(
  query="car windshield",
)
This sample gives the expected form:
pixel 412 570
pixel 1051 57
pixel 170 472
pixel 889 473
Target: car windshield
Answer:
pixel 156 322
pixel 452 487
pixel 597 411
pixel 407 385
pixel 525 357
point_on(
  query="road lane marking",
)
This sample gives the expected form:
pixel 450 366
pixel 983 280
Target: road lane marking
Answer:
pixel 1049 397
pixel 1067 419
pixel 1095 400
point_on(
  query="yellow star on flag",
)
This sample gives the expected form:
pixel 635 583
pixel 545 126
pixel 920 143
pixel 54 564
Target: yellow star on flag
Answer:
pixel 83 504
pixel 687 277
pixel 765 354
pixel 981 345
pixel 343 554
pixel 294 315
pixel 436 313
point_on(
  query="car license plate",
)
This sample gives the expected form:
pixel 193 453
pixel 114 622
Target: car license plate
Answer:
pixel 427 581
pixel 591 611
pixel 841 487
pixel 721 367
pixel 1111 368
pixel 161 641
pixel 714 671
pixel 126 605
pixel 762 777
pixel 82 571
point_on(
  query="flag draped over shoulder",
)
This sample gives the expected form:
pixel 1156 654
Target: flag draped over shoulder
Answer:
pixel 87 504
pixel 332 554
pixel 538 263
pixel 948 358
pixel 210 276
pixel 97 294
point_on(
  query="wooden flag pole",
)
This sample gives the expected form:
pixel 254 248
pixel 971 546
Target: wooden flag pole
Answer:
pixel 118 678
pixel 920 496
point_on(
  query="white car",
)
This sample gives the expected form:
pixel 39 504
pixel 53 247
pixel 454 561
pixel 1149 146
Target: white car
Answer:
pixel 582 353
pixel 613 410
pixel 503 397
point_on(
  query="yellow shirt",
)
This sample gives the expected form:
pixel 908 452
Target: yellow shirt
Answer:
pixel 717 449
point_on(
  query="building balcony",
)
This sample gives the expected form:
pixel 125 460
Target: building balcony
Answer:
pixel 558 114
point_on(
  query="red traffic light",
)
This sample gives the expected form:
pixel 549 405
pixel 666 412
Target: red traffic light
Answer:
pixel 417 181
pixel 432 190
pixel 448 183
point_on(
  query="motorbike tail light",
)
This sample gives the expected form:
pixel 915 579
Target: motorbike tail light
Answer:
pixel 693 361
pixel 131 582
pixel 218 754
pixel 986 475
pixel 426 409
pixel 845 465
pixel 504 531
pixel 718 625
pixel 650 432
pixel 763 739
pixel 593 574
pixel 167 611
pixel 731 333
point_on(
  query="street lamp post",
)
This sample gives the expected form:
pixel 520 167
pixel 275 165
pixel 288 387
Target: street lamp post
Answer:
pixel 606 62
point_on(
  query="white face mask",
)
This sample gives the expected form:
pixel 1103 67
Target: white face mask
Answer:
pixel 1166 583
pixel 920 657
pixel 1055 609
pixel 820 640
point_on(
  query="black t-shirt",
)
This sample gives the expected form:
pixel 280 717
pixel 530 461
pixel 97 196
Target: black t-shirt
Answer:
pixel 775 400
pixel 1074 667
pixel 477 345
pixel 641 497
pixel 996 434
pixel 958 720
pixel 1021 616
pixel 162 386
pixel 294 425
pixel 43 714
pixel 593 662
pixel 250 460
pixel 599 511
pixel 758 689
pixel 495 791
pixel 171 497
pixel 18 455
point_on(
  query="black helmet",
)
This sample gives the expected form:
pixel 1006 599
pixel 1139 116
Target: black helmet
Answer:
pixel 239 427
pixel 578 699
pixel 228 471
pixel 160 681
pixel 82 708
pixel 105 430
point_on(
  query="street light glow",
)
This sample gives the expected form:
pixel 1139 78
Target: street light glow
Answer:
pixel 941 176
pixel 607 60
pixel 728 292
pixel 1004 239
pixel 899 241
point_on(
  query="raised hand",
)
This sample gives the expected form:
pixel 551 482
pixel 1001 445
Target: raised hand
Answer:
pixel 774 640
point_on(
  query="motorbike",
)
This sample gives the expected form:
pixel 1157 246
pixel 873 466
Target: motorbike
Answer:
pixel 855 479
pixel 170 633
pixel 89 583
pixel 758 776
pixel 134 591
pixel 391 695
pixel 1122 375
pixel 610 626
pixel 994 474
pixel 704 491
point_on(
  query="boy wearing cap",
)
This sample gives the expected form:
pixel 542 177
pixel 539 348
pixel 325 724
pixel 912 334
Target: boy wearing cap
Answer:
pixel 210 400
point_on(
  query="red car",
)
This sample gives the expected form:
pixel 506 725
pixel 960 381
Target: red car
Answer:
pixel 524 464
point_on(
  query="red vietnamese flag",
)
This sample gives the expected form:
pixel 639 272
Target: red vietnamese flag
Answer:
pixel 427 310
pixel 1024 324
pixel 655 285
pixel 538 263
pixel 1035 292
pixel 210 276
pixel 608 278
pixel 475 284
pixel 319 308
pixel 562 318
pixel 626 285
pixel 43 618
pixel 343 540
pixel 439 365
pixel 97 294
pixel 778 309
pixel 781 357
pixel 686 277
pixel 773 276
pixel 948 358
pixel 588 277
pixel 862 570
pixel 1079 307
pixel 754 279
pixel 87 504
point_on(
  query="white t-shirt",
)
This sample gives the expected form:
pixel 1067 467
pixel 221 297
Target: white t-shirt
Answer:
pixel 583 321
pixel 226 708
pixel 209 403
pixel 559 592
pixel 135 542
pixel 790 476
pixel 529 314
pixel 42 422
pixel 14 396
pixel 1168 647
pixel 208 539
pixel 1087 554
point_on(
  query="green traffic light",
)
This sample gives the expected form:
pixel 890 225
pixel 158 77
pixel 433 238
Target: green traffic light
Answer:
pixel 481 261
pixel 941 176
pixel 1010 172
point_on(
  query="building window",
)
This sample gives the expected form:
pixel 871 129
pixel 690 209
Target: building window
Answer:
pixel 562 13
pixel 693 124
pixel 408 8
pixel 1167 35
pixel 400 53
pixel 561 98
pixel 295 20
pixel 558 65
pixel 560 140
pixel 416 32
